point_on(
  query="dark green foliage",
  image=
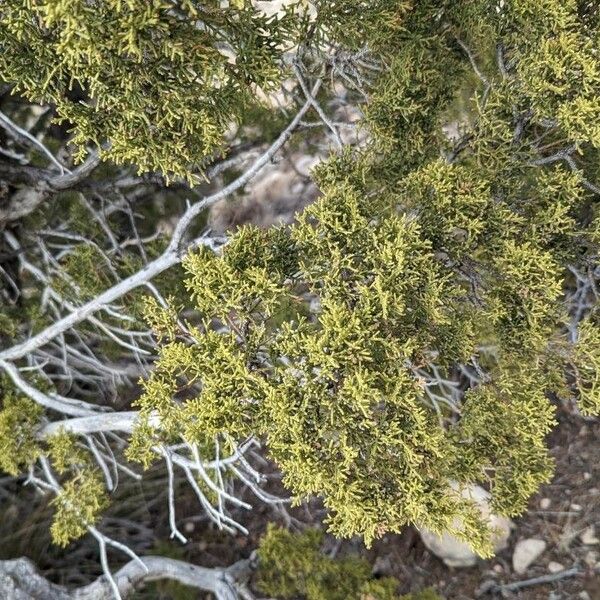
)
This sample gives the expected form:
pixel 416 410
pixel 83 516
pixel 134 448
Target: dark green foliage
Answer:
pixel 84 269
pixel 344 22
pixel 292 566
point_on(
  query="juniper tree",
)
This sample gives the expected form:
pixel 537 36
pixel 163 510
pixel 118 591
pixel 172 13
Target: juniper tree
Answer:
pixel 409 336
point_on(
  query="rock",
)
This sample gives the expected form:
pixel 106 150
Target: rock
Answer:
pixel 555 567
pixel 588 536
pixel 545 503
pixel 189 526
pixel 452 551
pixel 591 558
pixel 576 507
pixel 277 7
pixel 456 553
pixel 526 552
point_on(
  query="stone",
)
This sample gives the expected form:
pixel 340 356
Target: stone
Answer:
pixel 456 553
pixel 527 552
pixel 555 567
pixel 591 558
pixel 189 527
pixel 588 536
pixel 545 503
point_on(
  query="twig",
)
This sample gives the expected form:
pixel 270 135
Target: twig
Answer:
pixel 491 587
pixel 19 132
pixel 170 257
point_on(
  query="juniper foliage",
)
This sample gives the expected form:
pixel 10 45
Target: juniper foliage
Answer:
pixel 417 262
pixel 291 565
pixel 153 83
pixel 425 253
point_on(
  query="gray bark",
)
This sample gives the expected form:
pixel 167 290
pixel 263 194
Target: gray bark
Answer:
pixel 19 580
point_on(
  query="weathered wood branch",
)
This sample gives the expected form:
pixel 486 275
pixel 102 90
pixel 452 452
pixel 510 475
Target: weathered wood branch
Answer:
pixel 39 184
pixel 173 254
pixel 20 580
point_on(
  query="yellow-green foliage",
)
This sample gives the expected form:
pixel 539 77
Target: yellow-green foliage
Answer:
pixel 82 497
pixel 555 45
pixel 586 367
pixel 18 419
pixel 505 422
pixel 78 506
pixel 140 447
pixel 422 253
pixel 164 324
pixel 159 81
pixel 64 452
pixel 292 566
pixel 416 262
